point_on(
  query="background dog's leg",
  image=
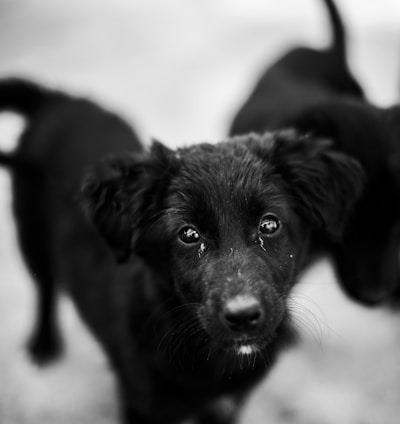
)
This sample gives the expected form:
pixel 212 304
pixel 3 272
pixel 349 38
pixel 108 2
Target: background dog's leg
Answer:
pixel 44 344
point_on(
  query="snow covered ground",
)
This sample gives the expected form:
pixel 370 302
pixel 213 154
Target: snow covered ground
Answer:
pixel 178 69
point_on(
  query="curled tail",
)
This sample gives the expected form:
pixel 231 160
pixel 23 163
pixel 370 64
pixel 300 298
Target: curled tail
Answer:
pixel 18 163
pixel 8 160
pixel 338 43
pixel 26 98
pixel 22 96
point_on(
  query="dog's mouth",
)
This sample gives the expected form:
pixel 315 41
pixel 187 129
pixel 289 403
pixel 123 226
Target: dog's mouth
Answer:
pixel 241 343
pixel 247 346
pixel 239 338
pixel 246 349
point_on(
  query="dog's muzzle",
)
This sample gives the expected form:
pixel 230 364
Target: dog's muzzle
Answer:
pixel 242 314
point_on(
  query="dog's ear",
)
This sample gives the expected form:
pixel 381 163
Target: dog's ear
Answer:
pixel 121 194
pixel 350 124
pixel 325 182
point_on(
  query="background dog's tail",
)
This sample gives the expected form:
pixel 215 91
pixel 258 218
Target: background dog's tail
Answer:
pixel 8 160
pixel 26 98
pixel 22 96
pixel 338 43
pixel 17 162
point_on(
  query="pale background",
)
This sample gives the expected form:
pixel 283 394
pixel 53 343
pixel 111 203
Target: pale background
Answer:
pixel 179 69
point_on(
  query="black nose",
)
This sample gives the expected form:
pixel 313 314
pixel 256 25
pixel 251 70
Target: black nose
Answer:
pixel 242 313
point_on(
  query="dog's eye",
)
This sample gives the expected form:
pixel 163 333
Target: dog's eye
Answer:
pixel 189 235
pixel 270 224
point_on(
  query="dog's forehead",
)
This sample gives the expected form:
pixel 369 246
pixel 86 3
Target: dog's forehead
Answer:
pixel 223 163
pixel 221 184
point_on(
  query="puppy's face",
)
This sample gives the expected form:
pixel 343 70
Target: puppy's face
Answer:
pixel 233 240
pixel 226 226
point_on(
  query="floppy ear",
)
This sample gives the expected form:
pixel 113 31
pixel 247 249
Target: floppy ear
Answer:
pixel 121 194
pixel 325 182
pixel 354 126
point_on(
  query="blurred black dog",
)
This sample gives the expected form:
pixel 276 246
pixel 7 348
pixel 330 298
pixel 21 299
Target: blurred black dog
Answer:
pixel 314 92
pixel 300 78
pixel 368 256
pixel 185 273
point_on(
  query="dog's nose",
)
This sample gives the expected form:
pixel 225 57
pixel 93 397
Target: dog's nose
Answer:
pixel 242 313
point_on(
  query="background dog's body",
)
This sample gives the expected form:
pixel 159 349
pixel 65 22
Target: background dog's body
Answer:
pixel 302 77
pixel 48 164
pixel 367 259
pixel 210 240
pixel 314 92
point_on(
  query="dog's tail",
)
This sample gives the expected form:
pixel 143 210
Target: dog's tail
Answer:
pixel 17 162
pixel 9 160
pixel 338 43
pixel 22 96
pixel 26 98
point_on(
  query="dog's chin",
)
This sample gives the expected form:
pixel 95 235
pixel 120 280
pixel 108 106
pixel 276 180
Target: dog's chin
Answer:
pixel 250 346
pixel 243 346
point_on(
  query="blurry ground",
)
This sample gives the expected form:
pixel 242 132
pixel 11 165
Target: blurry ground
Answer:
pixel 178 69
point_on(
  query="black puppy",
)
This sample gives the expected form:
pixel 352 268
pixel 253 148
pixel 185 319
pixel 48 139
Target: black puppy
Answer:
pixel 184 269
pixel 300 78
pixel 368 256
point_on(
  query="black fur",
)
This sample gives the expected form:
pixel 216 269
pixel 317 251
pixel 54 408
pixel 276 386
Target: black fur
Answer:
pixel 368 257
pixel 184 269
pixel 52 155
pixel 316 94
pixel 301 78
